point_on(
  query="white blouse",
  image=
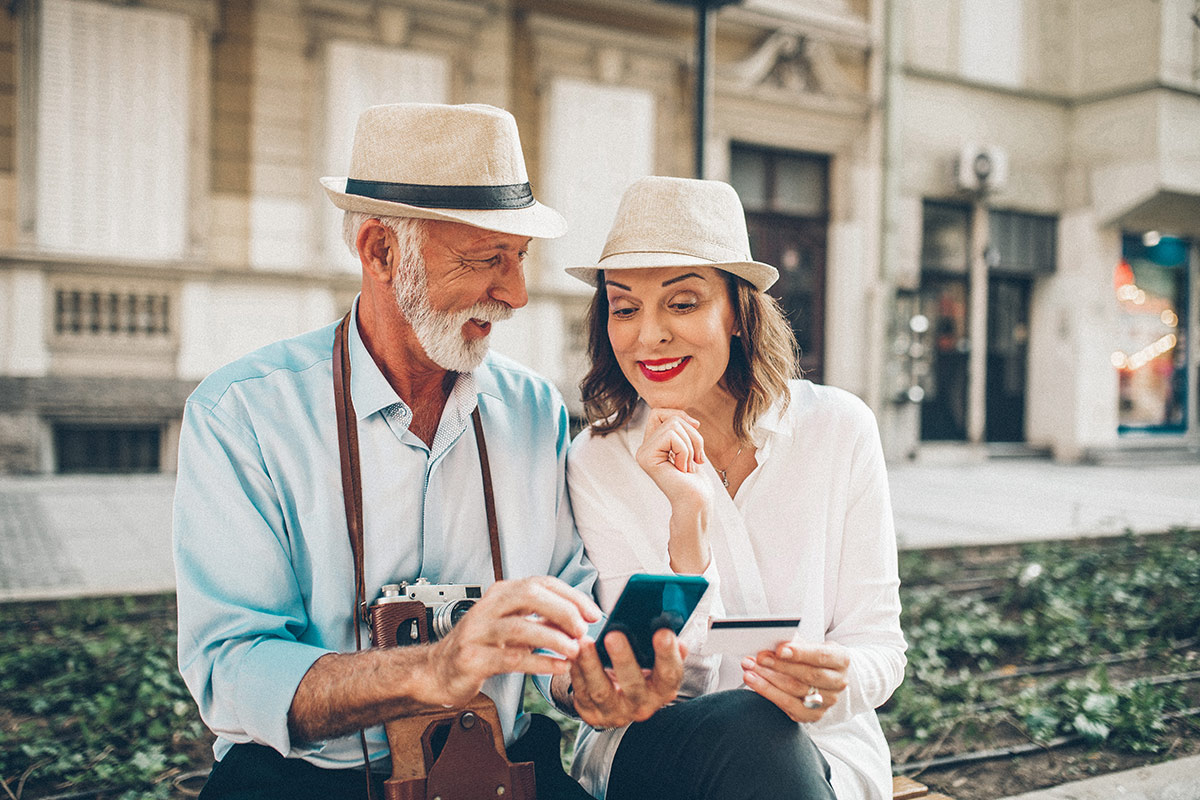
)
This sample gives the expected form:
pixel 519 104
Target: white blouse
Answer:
pixel 809 534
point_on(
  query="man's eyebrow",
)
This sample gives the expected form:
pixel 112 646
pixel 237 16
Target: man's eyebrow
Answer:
pixel 618 285
pixel 495 244
pixel 498 244
pixel 682 277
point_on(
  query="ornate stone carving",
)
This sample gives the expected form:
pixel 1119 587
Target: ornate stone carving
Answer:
pixel 793 62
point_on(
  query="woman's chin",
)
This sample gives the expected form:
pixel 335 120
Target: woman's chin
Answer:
pixel 661 397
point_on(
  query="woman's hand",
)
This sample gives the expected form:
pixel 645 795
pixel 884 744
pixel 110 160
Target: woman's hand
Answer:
pixel 626 693
pixel 670 452
pixel 786 676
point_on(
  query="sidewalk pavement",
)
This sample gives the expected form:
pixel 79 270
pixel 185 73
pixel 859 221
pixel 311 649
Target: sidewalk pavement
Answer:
pixel 1025 499
pixel 96 535
pixel 1173 780
pixel 63 536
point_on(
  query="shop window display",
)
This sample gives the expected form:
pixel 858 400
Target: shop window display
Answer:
pixel 1151 287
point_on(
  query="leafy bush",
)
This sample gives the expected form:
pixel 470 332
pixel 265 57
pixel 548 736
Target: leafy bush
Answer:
pixel 1070 602
pixel 92 697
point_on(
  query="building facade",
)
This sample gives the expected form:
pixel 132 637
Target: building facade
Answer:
pixel 1043 214
pixel 160 213
pixel 985 212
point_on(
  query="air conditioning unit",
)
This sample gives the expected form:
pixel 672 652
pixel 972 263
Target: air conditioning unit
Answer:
pixel 981 168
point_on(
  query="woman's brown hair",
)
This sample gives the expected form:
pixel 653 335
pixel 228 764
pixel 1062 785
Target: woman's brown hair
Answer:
pixel 761 361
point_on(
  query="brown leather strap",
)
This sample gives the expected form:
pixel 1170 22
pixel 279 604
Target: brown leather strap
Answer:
pixel 347 430
pixel 489 498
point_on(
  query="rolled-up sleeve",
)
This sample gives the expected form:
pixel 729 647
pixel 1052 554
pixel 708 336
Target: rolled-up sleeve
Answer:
pixel 569 563
pixel 866 614
pixel 241 610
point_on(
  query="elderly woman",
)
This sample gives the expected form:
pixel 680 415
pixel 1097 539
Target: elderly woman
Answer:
pixel 705 456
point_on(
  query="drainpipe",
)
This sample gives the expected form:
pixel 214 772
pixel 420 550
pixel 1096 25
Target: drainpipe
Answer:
pixel 705 41
pixel 978 322
pixel 883 293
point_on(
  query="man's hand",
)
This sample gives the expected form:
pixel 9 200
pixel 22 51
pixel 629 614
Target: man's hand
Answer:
pixel 345 692
pixel 629 693
pixel 786 675
pixel 501 632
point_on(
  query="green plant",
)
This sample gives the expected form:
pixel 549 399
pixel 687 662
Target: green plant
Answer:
pixel 1072 603
pixel 92 698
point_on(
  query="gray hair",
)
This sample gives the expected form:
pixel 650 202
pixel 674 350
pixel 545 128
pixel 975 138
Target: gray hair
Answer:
pixel 410 233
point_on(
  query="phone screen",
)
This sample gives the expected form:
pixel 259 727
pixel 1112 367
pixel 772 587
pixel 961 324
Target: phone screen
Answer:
pixel 650 602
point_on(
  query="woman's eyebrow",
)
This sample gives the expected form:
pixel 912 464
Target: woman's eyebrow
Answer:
pixel 618 285
pixel 682 277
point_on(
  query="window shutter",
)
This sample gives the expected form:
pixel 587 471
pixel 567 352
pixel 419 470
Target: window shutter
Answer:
pixel 360 76
pixel 112 133
pixel 599 140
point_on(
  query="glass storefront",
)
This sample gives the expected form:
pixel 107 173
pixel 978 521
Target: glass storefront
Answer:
pixel 1151 286
pixel 944 302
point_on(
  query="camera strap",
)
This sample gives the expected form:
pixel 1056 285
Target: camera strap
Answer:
pixel 347 430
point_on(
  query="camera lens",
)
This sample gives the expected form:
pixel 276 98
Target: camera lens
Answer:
pixel 448 615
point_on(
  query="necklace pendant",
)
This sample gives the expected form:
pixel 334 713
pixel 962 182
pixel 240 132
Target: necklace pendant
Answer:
pixel 724 480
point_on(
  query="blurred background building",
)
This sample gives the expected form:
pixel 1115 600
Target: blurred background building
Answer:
pixel 985 212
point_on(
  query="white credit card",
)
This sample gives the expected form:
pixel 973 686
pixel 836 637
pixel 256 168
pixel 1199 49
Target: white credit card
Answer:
pixel 745 636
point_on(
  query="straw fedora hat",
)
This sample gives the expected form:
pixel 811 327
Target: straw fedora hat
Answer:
pixel 679 222
pixel 455 163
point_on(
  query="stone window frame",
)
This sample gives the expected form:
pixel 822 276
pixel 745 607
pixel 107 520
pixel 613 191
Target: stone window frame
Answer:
pixel 204 17
pixel 451 29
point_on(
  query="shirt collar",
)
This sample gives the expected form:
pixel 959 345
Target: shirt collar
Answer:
pixel 371 392
pixel 369 389
pixel 485 378
pixel 770 423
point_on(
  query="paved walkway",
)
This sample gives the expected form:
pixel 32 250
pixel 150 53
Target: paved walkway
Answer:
pixel 1174 780
pixel 69 535
pixel 85 535
pixel 1011 500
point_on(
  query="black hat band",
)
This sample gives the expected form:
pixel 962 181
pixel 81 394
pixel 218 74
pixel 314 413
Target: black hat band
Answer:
pixel 474 198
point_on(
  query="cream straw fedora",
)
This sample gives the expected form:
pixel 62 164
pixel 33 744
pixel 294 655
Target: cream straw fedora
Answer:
pixel 456 163
pixel 680 222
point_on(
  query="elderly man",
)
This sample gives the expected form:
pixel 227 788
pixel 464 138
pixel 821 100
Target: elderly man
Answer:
pixel 440 215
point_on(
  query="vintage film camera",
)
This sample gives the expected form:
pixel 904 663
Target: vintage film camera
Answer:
pixel 438 752
pixel 420 612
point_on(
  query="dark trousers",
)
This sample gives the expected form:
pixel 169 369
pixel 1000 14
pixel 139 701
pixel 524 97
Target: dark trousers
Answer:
pixel 256 772
pixel 733 745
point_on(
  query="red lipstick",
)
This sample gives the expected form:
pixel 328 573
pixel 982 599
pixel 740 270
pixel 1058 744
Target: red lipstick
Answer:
pixel 662 369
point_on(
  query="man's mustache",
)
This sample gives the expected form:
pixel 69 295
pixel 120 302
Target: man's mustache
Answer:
pixel 490 312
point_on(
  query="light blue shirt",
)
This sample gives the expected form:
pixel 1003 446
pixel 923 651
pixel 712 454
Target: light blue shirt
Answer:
pixel 263 562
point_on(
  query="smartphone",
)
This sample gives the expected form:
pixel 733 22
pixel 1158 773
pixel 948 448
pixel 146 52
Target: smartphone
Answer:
pixel 648 603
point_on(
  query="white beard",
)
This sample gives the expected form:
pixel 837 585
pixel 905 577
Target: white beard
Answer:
pixel 440 332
